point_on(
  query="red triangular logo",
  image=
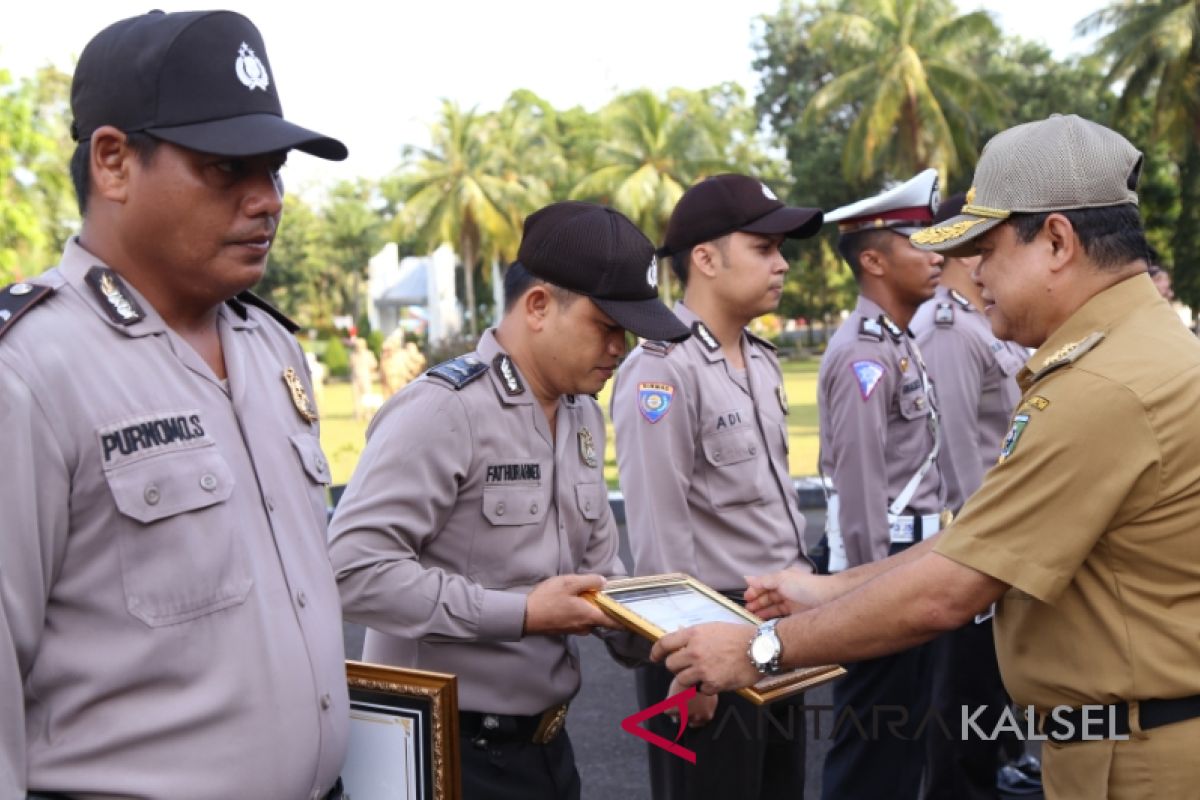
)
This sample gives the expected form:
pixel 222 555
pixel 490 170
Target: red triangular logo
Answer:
pixel 632 724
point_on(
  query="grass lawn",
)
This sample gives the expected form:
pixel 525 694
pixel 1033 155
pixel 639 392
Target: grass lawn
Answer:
pixel 343 437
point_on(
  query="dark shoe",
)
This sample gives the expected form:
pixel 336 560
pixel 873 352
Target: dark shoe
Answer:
pixel 1012 781
pixel 1029 765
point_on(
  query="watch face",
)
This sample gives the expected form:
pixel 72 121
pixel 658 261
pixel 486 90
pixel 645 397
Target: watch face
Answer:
pixel 762 649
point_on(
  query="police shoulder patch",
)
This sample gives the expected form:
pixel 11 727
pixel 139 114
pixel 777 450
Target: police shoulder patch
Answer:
pixel 458 372
pixel 656 348
pixel 1014 435
pixel 654 400
pixel 869 374
pixel 17 299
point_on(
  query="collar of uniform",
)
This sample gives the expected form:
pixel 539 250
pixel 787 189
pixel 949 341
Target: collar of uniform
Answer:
pixel 958 298
pixel 487 350
pixel 237 315
pixel 689 318
pixel 75 264
pixel 1100 313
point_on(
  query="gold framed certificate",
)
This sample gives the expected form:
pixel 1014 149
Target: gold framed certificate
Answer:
pixel 656 605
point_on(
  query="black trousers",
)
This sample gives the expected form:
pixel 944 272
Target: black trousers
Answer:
pixel 747 752
pixel 880 710
pixel 965 673
pixel 517 769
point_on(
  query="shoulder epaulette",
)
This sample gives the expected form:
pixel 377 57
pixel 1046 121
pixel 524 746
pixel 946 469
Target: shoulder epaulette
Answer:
pixel 17 299
pixel 458 372
pixel 703 335
pixel 656 348
pixel 1068 354
pixel 943 315
pixel 870 329
pixel 248 298
pixel 760 340
pixel 894 330
pixel 959 298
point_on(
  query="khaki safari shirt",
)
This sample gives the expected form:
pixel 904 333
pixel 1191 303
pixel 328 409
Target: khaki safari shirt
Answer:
pixel 1091 515
pixel 703 455
pixel 169 623
pixel 461 503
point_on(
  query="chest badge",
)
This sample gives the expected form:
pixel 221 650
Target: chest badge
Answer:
pixel 304 406
pixel 781 395
pixel 587 447
pixel 904 363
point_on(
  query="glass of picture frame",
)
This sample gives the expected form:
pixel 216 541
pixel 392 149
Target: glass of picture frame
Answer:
pixel 403 734
pixel 656 605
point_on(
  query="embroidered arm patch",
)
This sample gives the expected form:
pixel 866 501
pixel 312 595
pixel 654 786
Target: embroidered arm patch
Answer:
pixel 869 374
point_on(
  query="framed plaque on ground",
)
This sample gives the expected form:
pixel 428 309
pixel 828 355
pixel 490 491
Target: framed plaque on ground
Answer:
pixel 403 734
pixel 656 605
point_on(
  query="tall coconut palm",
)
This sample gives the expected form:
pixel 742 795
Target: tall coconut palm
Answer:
pixel 455 191
pixel 906 78
pixel 650 155
pixel 1153 52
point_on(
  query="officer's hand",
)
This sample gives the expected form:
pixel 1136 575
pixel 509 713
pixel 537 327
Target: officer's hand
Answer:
pixel 700 710
pixel 788 591
pixel 554 606
pixel 712 657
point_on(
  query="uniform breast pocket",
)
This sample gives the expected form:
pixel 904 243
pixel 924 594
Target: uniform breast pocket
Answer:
pixel 507 549
pixel 181 555
pixel 316 468
pixel 732 468
pixel 914 405
pixel 591 499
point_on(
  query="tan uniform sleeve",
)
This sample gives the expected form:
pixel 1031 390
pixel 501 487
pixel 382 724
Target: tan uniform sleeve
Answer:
pixel 857 437
pixel 35 503
pixel 957 368
pixel 1086 463
pixel 654 463
pixel 404 488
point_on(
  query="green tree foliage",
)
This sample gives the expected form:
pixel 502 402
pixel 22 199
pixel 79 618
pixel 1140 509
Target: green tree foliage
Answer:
pixel 37 203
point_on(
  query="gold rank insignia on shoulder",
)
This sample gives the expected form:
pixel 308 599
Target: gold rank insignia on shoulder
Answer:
pixel 1068 354
pixel 110 291
pixel 1036 402
pixel 587 447
pixel 300 399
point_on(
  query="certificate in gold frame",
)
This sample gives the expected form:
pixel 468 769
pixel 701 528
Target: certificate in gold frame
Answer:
pixel 404 734
pixel 658 604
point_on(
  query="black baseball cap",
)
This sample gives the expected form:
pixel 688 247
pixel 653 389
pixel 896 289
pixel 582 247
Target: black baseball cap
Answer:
pixel 198 79
pixel 726 203
pixel 598 252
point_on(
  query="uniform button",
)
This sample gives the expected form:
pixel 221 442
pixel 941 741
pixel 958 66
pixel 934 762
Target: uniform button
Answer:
pixel 19 289
pixel 533 508
pixel 270 504
pixel 209 482
pixel 490 722
pixel 587 505
pixel 920 403
pixel 301 598
pixel 499 509
pixel 753 450
pixel 717 456
pixel 326 702
pixel 152 495
pixel 321 463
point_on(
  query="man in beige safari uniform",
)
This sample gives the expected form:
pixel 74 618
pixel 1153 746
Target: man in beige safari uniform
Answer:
pixel 478 512
pixel 169 623
pixel 702 449
pixel 1084 532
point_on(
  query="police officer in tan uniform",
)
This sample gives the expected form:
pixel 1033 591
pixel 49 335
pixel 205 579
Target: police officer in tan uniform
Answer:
pixel 1085 530
pixel 977 392
pixel 169 623
pixel 478 512
pixel 702 448
pixel 879 444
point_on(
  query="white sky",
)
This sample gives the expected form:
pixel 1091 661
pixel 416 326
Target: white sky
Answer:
pixel 373 73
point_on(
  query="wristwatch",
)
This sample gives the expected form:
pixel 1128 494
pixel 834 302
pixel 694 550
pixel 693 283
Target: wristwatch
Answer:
pixel 765 648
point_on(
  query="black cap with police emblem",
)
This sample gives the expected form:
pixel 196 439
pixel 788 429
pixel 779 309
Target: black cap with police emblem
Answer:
pixel 598 252
pixel 726 203
pixel 198 79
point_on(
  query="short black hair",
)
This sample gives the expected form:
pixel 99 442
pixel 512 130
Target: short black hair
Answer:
pixel 852 245
pixel 518 280
pixel 1111 236
pixel 81 176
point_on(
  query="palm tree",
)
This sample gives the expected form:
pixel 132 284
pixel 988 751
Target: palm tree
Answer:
pixel 907 81
pixel 651 153
pixel 1153 50
pixel 456 192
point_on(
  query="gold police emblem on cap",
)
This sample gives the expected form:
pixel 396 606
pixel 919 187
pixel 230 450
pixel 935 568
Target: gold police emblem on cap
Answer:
pixel 587 447
pixel 299 396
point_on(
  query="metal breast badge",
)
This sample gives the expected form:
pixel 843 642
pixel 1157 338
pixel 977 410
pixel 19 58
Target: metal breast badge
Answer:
pixel 299 396
pixel 587 447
